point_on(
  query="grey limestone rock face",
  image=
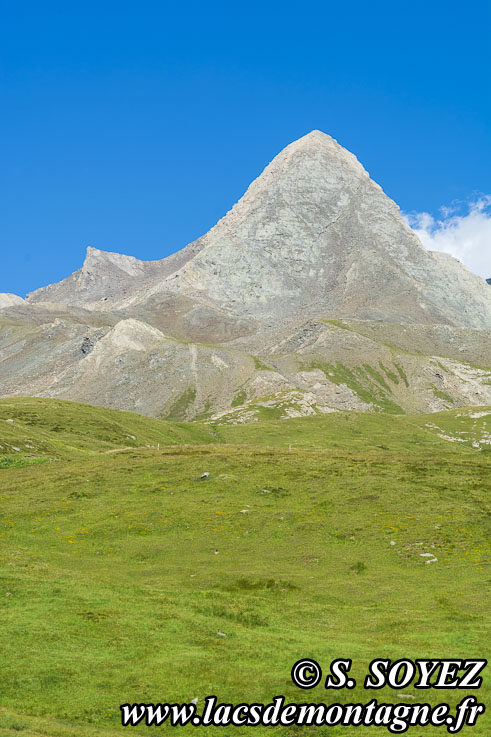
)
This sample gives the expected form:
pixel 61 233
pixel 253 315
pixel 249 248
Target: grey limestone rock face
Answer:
pixel 314 235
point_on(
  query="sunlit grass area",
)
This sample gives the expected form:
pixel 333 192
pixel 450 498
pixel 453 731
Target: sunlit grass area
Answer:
pixel 120 564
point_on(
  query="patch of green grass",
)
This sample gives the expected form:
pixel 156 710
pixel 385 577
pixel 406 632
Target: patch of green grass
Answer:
pixel 260 365
pixel 17 461
pixel 239 398
pixel 180 406
pixel 377 376
pixel 401 373
pixel 441 395
pixel 340 374
pixel 390 374
pixel 270 413
pixel 118 569
pixel 360 380
pixel 339 324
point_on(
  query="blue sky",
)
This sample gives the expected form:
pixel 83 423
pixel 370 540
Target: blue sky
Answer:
pixel 134 126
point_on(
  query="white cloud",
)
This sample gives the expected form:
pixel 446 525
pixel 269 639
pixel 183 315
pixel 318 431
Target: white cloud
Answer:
pixel 466 236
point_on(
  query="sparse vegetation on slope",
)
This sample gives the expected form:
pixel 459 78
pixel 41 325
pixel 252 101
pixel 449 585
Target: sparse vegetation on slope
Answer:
pixel 366 382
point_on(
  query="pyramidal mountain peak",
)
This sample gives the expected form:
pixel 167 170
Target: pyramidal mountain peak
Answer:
pixel 310 278
pixel 312 233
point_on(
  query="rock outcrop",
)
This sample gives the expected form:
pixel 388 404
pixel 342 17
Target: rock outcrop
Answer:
pixel 10 300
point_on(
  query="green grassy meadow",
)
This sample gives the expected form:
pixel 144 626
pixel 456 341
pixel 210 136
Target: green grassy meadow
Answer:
pixel 119 565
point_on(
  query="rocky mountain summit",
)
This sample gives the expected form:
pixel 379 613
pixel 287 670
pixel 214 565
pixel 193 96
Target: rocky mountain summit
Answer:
pixel 313 232
pixel 310 295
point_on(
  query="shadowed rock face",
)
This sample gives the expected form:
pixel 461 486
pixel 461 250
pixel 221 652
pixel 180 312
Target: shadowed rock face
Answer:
pixel 314 241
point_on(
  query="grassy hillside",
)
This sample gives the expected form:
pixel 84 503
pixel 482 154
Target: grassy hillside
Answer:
pixel 120 565
pixel 40 430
